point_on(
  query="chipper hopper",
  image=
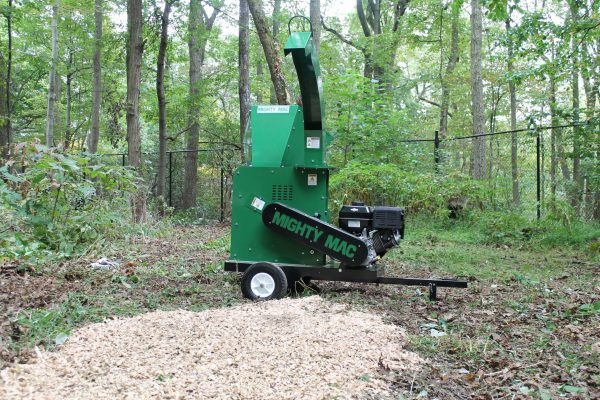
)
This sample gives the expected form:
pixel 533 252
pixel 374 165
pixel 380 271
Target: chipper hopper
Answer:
pixel 281 230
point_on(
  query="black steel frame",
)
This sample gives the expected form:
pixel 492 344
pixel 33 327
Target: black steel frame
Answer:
pixel 338 273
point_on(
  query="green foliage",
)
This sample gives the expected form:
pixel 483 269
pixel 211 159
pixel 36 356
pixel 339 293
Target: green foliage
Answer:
pixel 58 203
pixel 416 192
pixel 501 227
pixel 49 327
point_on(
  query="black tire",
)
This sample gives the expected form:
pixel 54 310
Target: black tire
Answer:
pixel 271 284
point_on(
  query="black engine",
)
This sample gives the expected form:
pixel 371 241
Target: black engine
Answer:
pixel 380 227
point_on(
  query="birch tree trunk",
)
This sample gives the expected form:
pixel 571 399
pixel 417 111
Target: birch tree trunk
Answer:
pixel 271 51
pixel 477 101
pixel 244 67
pixel 162 106
pixel 135 50
pixel 52 79
pixel 513 121
pixel 97 87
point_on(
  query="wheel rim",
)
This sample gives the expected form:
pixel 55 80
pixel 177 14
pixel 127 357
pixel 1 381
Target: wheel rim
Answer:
pixel 262 285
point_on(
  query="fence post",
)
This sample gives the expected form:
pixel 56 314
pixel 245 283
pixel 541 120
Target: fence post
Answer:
pixel 222 192
pixel 436 150
pixel 538 173
pixel 170 179
pixel 123 159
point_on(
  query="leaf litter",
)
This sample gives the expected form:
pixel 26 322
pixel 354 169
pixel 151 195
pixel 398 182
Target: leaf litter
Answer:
pixel 304 348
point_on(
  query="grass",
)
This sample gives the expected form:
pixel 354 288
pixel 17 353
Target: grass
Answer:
pixel 531 309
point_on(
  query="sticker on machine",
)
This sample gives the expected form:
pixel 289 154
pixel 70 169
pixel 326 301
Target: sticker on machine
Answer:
pixel 313 142
pixel 273 109
pixel 353 223
pixel 312 179
pixel 258 203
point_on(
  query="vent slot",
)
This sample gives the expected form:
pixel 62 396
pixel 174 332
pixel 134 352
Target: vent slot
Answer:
pixel 282 193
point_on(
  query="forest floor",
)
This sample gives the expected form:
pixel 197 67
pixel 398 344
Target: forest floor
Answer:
pixel 527 326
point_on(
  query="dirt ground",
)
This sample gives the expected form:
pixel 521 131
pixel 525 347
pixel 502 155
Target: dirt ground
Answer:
pixel 526 336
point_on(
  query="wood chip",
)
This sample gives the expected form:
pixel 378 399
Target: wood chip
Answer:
pixel 286 349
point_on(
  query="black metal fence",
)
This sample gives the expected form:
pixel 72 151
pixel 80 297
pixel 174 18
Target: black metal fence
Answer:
pixel 544 169
pixel 216 163
pixel 543 160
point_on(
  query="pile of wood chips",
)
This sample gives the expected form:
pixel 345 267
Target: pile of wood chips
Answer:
pixel 303 348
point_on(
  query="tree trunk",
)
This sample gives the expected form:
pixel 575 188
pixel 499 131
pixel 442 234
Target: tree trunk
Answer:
pixel 70 74
pixel 478 166
pixel 97 87
pixel 513 120
pixel 259 78
pixel 276 24
pixel 6 123
pixel 560 150
pixel 198 31
pixel 577 177
pixel 135 50
pixel 244 67
pixel 50 121
pixel 315 19
pixel 553 152
pixel 271 51
pixel 452 61
pixel 590 104
pixel 4 142
pixel 162 106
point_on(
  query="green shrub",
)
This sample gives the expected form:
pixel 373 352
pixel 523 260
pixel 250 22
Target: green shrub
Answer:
pixel 58 202
pixel 388 184
pixel 502 227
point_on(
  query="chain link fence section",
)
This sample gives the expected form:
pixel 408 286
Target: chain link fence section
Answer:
pixel 544 167
pixel 216 164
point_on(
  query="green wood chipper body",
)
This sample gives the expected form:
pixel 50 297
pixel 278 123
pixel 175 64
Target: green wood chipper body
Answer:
pixel 281 230
pixel 286 164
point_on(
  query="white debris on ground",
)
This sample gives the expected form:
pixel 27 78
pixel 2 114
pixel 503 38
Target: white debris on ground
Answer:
pixel 105 263
pixel 303 348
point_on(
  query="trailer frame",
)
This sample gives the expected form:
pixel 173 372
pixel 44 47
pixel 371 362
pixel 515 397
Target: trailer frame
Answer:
pixel 336 272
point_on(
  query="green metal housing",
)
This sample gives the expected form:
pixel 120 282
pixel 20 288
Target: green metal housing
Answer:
pixel 286 164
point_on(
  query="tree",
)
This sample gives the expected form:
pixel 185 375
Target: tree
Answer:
pixel 477 100
pixel 513 117
pixel 4 137
pixel 135 50
pixel 200 24
pixel 577 132
pixel 315 21
pixel 271 51
pixel 244 67
pixel 275 33
pixel 5 87
pixel 162 103
pixel 50 115
pixel 97 88
pixel 379 26
pixel 452 61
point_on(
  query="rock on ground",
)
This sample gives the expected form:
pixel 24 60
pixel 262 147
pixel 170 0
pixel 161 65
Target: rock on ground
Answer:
pixel 287 349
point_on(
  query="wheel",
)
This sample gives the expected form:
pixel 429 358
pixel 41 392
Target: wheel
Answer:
pixel 264 281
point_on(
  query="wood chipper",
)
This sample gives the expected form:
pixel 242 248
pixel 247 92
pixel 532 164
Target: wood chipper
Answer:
pixel 281 229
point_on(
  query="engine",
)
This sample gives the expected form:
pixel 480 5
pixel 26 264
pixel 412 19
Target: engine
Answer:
pixel 380 227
